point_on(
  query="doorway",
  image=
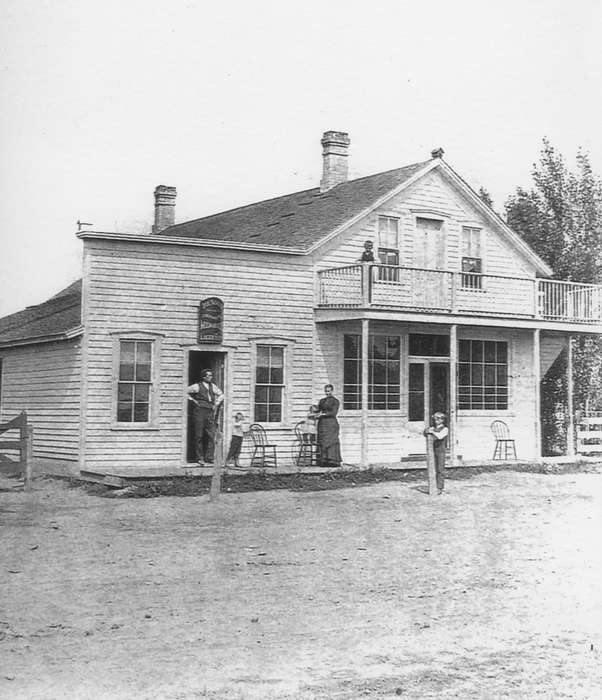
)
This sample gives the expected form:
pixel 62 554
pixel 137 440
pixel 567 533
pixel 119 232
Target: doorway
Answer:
pixel 428 390
pixel 198 360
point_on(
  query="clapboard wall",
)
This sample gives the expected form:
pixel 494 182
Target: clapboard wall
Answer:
pixel 45 380
pixel 137 288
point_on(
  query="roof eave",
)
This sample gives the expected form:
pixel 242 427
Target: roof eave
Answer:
pixel 193 242
pixel 377 203
pixel 542 267
pixel 48 338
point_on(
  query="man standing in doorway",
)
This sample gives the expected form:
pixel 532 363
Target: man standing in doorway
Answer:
pixel 206 397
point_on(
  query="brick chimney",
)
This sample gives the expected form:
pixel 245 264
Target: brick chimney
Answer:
pixel 335 146
pixel 165 207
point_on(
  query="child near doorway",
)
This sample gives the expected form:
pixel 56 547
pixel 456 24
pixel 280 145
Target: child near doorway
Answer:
pixel 440 432
pixel 238 431
pixel 308 429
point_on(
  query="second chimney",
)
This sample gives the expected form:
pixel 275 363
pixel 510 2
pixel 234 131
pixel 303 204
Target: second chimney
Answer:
pixel 335 147
pixel 165 207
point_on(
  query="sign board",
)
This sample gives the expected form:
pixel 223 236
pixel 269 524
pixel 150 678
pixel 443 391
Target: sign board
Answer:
pixel 211 321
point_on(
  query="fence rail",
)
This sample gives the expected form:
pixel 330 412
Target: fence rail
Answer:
pixel 23 445
pixel 421 289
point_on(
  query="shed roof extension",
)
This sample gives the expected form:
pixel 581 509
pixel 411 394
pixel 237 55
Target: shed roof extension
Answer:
pixel 55 319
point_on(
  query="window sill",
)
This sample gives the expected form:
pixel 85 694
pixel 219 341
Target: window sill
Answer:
pixel 137 427
pixel 486 412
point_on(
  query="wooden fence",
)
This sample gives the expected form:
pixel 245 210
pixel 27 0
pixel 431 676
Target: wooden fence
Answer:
pixel 23 446
pixel 589 434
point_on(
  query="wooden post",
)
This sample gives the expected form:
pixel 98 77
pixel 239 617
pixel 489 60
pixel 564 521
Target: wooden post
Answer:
pixel 570 428
pixel 366 282
pixel 430 464
pixel 537 387
pixel 364 417
pixel 453 393
pixel 216 477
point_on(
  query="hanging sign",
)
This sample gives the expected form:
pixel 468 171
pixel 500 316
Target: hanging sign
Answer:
pixel 211 320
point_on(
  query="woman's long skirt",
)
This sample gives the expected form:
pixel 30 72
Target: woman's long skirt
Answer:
pixel 328 442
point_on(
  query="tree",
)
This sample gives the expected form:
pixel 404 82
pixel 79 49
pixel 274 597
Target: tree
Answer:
pixel 486 197
pixel 561 219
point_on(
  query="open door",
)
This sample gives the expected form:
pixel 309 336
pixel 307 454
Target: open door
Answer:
pixel 198 360
pixel 428 392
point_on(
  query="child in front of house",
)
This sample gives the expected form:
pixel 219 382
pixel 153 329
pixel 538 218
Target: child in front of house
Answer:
pixel 238 431
pixel 309 429
pixel 440 432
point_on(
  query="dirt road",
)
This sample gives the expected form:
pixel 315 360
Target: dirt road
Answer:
pixel 489 591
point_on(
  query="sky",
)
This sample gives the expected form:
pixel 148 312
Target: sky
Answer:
pixel 102 101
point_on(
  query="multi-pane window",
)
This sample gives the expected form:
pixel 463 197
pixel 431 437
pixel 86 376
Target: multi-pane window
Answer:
pixel 388 246
pixel 384 359
pixel 483 374
pixel 383 372
pixel 135 383
pixel 352 372
pixel 472 262
pixel 269 383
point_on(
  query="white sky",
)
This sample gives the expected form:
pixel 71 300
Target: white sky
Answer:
pixel 101 101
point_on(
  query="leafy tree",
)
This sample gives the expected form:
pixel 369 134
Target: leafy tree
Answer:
pixel 485 196
pixel 561 219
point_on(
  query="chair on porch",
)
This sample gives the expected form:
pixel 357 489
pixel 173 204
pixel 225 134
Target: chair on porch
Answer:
pixel 503 442
pixel 264 453
pixel 305 452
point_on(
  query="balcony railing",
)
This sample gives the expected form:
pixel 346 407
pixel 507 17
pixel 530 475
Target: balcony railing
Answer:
pixel 444 291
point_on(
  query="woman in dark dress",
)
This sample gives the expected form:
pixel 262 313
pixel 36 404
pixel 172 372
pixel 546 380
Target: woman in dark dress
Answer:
pixel 329 447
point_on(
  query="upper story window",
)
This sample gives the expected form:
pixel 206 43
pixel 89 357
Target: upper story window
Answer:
pixel 388 245
pixel 472 261
pixel 429 250
pixel 269 383
pixel 135 381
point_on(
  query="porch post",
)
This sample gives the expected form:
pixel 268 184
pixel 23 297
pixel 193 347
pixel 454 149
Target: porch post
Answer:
pixel 453 394
pixel 364 418
pixel 537 392
pixel 570 428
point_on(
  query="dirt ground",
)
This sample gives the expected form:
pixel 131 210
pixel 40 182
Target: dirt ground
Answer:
pixel 492 590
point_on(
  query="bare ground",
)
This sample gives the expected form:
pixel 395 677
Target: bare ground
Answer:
pixel 492 590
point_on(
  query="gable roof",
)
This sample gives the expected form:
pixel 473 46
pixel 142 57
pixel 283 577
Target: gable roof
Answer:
pixel 297 220
pixel 58 318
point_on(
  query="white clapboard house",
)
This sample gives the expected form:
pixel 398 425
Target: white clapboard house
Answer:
pixel 457 314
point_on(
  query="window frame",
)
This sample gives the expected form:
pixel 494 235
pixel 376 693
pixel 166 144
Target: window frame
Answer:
pixel 287 377
pixel 371 384
pixel 485 410
pixel 472 281
pixel 155 340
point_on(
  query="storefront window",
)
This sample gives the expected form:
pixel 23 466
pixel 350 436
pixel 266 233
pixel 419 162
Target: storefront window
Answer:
pixel 483 375
pixel 384 362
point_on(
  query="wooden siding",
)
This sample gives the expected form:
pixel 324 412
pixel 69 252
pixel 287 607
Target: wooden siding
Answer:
pixel 45 381
pixel 434 194
pixel 148 288
pixel 389 434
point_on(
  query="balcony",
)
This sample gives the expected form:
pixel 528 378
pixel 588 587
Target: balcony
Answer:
pixel 372 286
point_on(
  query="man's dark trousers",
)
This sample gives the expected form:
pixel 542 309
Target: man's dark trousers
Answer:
pixel 204 430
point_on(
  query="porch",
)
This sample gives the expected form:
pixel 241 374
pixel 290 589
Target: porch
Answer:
pixel 446 292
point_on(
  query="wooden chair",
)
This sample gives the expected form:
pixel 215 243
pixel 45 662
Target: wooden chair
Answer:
pixel 264 454
pixel 503 441
pixel 304 451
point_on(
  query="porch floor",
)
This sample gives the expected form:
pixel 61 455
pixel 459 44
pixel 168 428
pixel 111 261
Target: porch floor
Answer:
pixel 144 473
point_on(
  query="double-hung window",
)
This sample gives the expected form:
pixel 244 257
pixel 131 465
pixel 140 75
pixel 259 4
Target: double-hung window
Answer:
pixel 388 246
pixel 135 383
pixel 483 375
pixel 472 261
pixel 269 383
